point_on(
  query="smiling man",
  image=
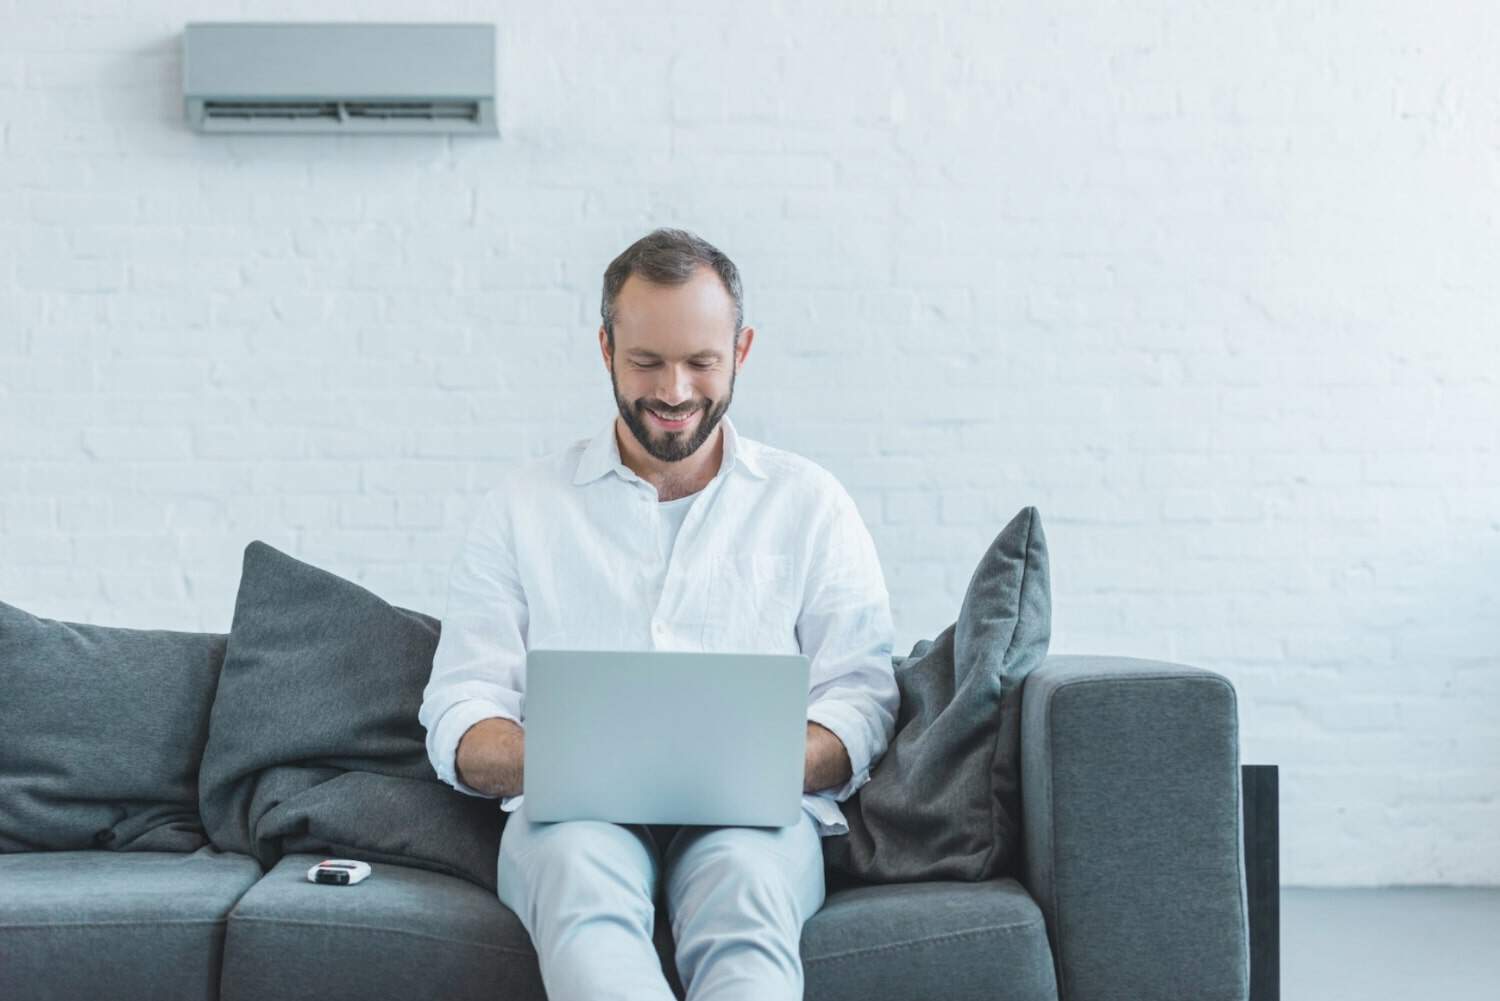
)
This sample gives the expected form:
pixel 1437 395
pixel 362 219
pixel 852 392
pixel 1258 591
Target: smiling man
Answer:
pixel 666 530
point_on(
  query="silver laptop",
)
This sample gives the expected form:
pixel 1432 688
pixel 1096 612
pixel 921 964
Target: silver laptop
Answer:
pixel 665 737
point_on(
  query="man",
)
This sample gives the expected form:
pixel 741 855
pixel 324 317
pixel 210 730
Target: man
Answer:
pixel 665 531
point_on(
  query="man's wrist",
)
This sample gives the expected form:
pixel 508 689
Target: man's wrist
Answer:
pixel 490 757
pixel 827 760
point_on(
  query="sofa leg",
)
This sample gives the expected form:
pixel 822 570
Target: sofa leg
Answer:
pixel 1263 879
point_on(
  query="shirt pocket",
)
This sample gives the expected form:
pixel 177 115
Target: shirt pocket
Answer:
pixel 751 604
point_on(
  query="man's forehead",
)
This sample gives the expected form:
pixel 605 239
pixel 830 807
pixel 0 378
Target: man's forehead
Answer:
pixel 701 302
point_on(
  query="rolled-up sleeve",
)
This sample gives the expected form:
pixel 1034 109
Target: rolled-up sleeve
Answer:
pixel 479 668
pixel 846 631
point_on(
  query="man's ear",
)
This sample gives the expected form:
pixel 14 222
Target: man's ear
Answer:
pixel 747 334
pixel 604 347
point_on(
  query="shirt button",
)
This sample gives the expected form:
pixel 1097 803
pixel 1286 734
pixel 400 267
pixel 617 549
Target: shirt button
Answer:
pixel 658 628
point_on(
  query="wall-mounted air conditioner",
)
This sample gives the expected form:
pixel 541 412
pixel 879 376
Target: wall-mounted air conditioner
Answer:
pixel 322 77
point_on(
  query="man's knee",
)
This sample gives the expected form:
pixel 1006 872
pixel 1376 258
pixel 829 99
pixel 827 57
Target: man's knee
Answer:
pixel 573 857
pixel 758 872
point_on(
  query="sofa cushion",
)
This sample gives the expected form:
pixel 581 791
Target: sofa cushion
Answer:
pixel 944 801
pixel 147 925
pixel 314 743
pixel 103 728
pixel 402 932
pixel 961 941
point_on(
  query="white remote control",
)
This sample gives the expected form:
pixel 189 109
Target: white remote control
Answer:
pixel 339 871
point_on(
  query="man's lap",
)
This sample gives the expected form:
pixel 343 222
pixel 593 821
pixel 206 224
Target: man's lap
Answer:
pixel 792 853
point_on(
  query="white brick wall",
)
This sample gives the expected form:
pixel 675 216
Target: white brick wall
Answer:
pixel 1212 285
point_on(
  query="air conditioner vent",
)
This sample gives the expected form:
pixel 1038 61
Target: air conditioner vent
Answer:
pixel 318 77
pixel 222 115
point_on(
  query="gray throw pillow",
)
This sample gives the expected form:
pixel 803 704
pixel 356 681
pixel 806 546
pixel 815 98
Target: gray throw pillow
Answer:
pixel 314 743
pixel 943 802
pixel 101 729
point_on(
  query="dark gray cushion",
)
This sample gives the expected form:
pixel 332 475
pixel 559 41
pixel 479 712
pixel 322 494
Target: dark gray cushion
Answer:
pixel 97 924
pixel 314 743
pixel 402 933
pixel 101 729
pixel 943 802
pixel 958 941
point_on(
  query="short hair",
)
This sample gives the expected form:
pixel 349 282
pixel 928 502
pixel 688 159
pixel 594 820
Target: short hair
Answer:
pixel 668 257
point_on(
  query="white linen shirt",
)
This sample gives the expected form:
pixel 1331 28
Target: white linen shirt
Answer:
pixel 569 552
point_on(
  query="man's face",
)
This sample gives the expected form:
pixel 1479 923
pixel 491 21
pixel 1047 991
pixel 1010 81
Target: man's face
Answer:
pixel 676 354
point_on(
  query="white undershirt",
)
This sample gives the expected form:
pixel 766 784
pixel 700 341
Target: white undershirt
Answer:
pixel 673 513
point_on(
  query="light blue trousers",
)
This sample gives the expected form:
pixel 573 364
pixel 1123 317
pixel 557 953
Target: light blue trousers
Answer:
pixel 737 898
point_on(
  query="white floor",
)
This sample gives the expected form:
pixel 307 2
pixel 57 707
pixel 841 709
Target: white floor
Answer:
pixel 1396 944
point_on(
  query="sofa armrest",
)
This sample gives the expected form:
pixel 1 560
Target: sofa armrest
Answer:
pixel 1132 847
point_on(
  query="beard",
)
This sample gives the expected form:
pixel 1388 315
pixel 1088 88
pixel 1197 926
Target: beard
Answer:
pixel 663 444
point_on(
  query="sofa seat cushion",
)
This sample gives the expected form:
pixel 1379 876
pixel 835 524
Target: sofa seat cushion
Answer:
pixel 955 940
pixel 121 925
pixel 402 932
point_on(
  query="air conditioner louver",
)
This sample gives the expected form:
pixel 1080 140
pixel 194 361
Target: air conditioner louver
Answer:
pixel 240 77
pixel 227 116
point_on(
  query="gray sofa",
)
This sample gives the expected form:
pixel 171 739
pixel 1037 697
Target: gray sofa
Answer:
pixel 1131 886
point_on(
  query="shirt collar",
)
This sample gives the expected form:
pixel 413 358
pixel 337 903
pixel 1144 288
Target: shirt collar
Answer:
pixel 603 455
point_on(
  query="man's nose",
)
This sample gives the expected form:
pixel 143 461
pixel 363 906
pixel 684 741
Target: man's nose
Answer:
pixel 676 389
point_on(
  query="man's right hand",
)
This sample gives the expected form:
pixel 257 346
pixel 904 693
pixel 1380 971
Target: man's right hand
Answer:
pixel 492 757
